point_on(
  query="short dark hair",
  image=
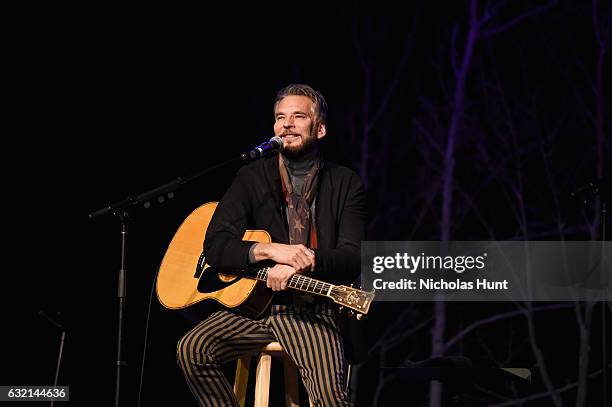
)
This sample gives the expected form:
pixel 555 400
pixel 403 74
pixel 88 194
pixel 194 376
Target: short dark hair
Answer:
pixel 298 89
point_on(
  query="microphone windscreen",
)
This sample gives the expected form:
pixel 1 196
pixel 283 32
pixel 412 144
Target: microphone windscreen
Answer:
pixel 278 141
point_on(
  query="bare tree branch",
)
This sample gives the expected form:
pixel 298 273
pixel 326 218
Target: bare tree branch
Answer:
pixel 508 25
pixel 545 393
pixel 495 318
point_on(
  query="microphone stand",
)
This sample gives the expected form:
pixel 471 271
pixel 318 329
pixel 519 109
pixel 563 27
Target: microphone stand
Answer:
pixel 61 348
pixel 121 209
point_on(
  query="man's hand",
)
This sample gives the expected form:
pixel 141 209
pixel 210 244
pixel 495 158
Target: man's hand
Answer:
pixel 278 276
pixel 298 256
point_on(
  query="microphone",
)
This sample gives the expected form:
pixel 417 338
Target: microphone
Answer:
pixel 274 144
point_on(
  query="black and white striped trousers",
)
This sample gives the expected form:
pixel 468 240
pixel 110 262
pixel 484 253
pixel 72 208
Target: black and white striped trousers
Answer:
pixel 310 337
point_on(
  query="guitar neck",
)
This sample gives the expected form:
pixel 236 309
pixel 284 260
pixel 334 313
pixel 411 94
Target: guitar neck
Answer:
pixel 301 283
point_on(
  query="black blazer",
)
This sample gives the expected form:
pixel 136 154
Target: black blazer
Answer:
pixel 255 201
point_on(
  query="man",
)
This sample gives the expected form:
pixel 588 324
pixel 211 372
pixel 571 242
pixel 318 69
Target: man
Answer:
pixel 315 213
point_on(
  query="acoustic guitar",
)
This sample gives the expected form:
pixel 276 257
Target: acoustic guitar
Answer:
pixel 185 279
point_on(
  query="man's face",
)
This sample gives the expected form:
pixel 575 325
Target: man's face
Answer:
pixel 296 124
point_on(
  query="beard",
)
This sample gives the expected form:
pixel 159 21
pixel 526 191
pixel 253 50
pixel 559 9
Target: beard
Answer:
pixel 307 145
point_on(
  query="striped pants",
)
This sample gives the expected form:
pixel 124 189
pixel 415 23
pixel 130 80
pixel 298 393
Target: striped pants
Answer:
pixel 311 338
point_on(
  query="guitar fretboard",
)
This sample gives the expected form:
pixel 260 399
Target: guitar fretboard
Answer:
pixel 302 283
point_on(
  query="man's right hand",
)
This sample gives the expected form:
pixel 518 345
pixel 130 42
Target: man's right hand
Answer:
pixel 298 256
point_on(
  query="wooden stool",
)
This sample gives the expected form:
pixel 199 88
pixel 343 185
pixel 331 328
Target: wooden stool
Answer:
pixel 262 381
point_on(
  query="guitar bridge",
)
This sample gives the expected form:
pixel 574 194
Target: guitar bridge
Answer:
pixel 200 266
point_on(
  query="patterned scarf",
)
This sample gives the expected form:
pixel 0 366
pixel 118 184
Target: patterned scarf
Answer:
pixel 301 225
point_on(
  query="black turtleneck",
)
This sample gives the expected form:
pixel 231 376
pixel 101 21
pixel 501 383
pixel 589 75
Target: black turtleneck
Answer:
pixel 298 167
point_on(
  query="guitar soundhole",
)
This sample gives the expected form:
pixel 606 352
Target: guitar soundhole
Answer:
pixel 226 278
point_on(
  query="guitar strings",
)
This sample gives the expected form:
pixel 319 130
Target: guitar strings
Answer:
pixel 300 280
pixel 262 274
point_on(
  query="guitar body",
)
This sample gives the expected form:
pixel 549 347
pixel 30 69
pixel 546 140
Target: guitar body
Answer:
pixel 182 281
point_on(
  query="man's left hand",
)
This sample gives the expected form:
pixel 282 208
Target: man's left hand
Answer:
pixel 278 276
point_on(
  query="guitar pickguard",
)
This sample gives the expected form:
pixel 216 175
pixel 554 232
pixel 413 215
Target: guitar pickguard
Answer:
pixel 211 281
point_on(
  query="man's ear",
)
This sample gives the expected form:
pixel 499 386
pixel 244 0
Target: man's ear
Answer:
pixel 322 131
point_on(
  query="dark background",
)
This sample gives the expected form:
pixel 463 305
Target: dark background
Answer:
pixel 108 102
